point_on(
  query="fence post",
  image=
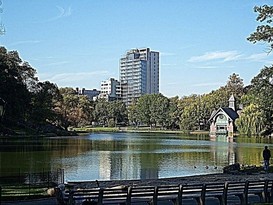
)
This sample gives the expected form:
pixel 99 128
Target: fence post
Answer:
pixel 48 179
pixel 29 184
pixel 0 194
pixel 62 176
pixel 19 177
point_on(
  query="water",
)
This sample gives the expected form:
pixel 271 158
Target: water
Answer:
pixel 110 156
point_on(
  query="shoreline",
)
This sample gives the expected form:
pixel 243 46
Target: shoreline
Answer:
pixel 196 179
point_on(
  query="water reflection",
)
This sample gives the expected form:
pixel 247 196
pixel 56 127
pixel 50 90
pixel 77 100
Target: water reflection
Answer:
pixel 129 155
pixel 225 148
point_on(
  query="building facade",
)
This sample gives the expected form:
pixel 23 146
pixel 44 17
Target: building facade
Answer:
pixel 139 74
pixel 91 94
pixel 222 121
pixel 110 90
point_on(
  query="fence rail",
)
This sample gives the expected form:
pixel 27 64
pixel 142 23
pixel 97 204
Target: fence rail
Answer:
pixel 29 185
pixel 229 192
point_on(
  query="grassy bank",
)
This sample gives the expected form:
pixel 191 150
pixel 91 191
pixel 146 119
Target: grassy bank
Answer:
pixel 134 129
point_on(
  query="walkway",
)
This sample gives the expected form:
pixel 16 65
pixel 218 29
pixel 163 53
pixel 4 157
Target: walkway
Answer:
pixel 211 201
pixel 48 201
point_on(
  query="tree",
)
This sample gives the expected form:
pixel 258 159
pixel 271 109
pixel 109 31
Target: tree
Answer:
pixel 17 81
pixel 264 32
pixel 117 112
pixel 262 85
pixel 73 109
pixel 133 114
pixel 44 97
pixel 235 86
pixel 189 118
pixel 159 109
pixel 262 88
pixel 173 113
pixel 101 114
pixel 85 111
pixel 143 110
pixel 251 121
pixel 150 109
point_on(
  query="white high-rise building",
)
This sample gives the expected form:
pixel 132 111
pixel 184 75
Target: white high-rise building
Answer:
pixel 110 89
pixel 139 74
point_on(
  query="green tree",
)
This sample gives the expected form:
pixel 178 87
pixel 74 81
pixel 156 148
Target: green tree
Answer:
pixel 73 109
pixel 117 112
pixel 264 32
pixel 262 88
pixel 159 108
pixel 143 110
pixel 133 114
pixel 235 86
pixel 173 113
pixel 44 97
pixel 195 110
pixel 262 84
pixel 151 109
pixel 101 114
pixel 84 111
pixel 17 80
pixel 251 121
pixel 189 118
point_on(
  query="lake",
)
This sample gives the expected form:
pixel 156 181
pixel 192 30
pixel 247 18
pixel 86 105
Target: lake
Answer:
pixel 111 156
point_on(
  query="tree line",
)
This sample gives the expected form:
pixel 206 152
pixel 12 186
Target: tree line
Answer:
pixel 44 107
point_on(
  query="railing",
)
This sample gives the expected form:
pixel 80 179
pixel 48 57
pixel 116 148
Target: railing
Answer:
pixel 221 132
pixel 29 185
pixel 199 193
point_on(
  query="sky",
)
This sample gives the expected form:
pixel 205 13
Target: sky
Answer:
pixel 78 43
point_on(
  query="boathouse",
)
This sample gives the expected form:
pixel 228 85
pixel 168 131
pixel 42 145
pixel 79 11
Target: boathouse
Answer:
pixel 222 121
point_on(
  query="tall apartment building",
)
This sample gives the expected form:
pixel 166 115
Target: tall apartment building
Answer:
pixel 139 74
pixel 110 89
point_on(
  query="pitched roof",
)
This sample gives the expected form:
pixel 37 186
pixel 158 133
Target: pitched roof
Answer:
pixel 230 112
pixel 212 114
pixel 232 98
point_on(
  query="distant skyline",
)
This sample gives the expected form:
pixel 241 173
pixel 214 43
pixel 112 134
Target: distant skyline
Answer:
pixel 79 43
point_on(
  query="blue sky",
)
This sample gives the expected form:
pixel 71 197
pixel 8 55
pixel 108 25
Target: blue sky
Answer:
pixel 78 43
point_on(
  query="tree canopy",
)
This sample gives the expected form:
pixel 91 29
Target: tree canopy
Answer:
pixel 264 32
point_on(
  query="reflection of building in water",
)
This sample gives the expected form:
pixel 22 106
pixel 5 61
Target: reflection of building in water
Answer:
pixel 226 150
pixel 149 173
pixel 126 165
pixel 104 164
pixel 118 166
pixel 149 167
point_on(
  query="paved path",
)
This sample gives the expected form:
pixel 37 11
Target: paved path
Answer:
pixel 210 201
pixel 49 201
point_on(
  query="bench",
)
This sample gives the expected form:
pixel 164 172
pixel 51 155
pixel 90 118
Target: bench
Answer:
pixel 212 190
pixel 190 191
pixel 177 194
pixel 243 190
pixel 270 191
pixel 116 195
pixel 140 194
pixel 259 188
pixel 237 189
pixel 165 193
